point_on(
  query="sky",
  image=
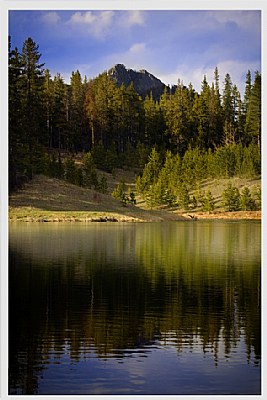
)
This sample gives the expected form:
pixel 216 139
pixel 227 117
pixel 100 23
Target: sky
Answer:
pixel 170 44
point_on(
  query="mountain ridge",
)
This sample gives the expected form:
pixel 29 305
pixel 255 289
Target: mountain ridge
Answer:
pixel 143 81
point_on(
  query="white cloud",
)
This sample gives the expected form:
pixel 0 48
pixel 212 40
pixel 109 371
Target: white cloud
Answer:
pixel 82 18
pixel 98 23
pixel 102 23
pixel 137 48
pixel 195 74
pixel 248 20
pixel 134 17
pixel 137 56
pixel 51 17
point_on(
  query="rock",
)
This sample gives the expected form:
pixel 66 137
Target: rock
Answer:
pixel 144 82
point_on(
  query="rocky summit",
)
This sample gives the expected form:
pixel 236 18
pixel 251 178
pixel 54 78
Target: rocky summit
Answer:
pixel 144 83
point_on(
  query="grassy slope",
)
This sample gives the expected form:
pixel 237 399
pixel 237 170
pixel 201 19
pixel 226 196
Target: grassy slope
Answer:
pixel 47 199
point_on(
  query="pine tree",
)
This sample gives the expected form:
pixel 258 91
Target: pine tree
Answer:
pixel 178 117
pixel 217 111
pixel 59 114
pixel 237 115
pixel 209 202
pixel 71 172
pixel 247 91
pixel 18 154
pixel 33 85
pixel 48 105
pixel 119 192
pixel 256 195
pixel 228 111
pixel 89 171
pixel 77 126
pixel 231 198
pixel 134 115
pixel 150 173
pixel 183 196
pixel 153 122
pixel 246 200
pixel 253 116
pixel 202 113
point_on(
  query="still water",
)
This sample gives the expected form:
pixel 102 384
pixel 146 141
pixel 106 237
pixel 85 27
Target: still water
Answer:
pixel 160 308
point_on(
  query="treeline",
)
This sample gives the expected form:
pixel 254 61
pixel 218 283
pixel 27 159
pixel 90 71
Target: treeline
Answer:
pixel 117 127
pixel 171 181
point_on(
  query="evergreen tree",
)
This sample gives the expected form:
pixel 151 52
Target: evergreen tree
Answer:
pixel 194 165
pixel 178 117
pixel 183 196
pixel 49 105
pixel 256 195
pixel 238 123
pixel 77 126
pixel 231 198
pixel 71 173
pixel 224 162
pixel 60 138
pixel 246 200
pixel 228 111
pixel 18 154
pixel 33 84
pixel 209 202
pixel 119 192
pixel 253 116
pixel 150 173
pixel 251 166
pixel 247 91
pixel 134 116
pixel 202 112
pixel 216 111
pixel 89 171
pixel 154 124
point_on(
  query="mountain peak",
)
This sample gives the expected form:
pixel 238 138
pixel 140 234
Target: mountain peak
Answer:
pixel 143 81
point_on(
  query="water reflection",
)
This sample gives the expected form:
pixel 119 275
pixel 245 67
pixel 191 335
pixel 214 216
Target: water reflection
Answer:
pixel 188 293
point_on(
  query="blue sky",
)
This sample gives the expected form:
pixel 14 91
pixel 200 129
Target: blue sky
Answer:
pixel 169 44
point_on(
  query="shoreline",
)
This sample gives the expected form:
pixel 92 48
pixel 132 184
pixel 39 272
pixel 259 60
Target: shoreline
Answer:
pixel 29 214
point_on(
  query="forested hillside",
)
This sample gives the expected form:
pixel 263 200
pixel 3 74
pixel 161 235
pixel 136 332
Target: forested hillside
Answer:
pixel 173 142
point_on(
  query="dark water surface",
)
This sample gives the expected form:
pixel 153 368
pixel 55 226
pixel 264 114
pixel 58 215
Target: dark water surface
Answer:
pixel 171 308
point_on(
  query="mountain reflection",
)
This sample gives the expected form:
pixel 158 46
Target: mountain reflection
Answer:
pixel 117 292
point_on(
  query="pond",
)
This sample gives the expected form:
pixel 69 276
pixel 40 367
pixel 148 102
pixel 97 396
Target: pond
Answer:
pixel 135 309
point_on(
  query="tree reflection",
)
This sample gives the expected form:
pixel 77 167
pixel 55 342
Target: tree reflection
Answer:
pixel 171 293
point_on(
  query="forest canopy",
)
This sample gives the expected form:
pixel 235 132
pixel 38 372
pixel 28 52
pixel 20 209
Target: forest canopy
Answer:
pixel 206 133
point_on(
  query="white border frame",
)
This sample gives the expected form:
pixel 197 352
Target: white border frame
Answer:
pixel 5 6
